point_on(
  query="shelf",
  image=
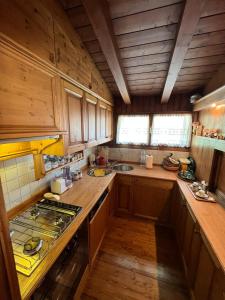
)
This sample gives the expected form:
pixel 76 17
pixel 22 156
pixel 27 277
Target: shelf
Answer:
pixel 63 166
pixel 211 142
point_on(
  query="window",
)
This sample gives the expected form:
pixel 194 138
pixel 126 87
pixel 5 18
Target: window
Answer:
pixel 171 130
pixel 133 129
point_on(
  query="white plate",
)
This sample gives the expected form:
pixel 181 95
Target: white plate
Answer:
pixel 205 196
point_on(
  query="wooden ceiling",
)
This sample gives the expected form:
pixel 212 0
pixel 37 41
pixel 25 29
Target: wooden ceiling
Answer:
pixel 146 33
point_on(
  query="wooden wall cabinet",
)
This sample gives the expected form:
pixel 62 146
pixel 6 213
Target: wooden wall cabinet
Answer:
pixel 75 115
pixel 30 98
pixel 91 110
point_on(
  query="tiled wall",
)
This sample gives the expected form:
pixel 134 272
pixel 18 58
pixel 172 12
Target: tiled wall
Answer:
pixel 18 178
pixel 133 155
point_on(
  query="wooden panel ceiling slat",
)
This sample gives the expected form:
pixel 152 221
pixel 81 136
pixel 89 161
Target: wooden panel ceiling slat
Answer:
pixel 147 68
pixel 106 73
pixel 146 60
pixel 145 93
pixel 147 49
pixel 198 82
pixel 148 19
pixel 198 70
pixel 145 87
pixel 146 81
pixel 203 61
pixel 120 8
pixel 207 39
pixel 210 24
pixel 102 66
pixel 163 33
pixel 78 17
pixel 98 57
pixel 86 33
pixel 146 75
pixel 189 89
pixel 110 79
pixel 68 4
pixel 206 51
pixel 93 46
pixel 194 76
pixel 213 7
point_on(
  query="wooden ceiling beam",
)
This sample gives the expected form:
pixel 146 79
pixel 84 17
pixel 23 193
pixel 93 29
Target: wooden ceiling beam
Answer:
pixel 190 18
pixel 99 16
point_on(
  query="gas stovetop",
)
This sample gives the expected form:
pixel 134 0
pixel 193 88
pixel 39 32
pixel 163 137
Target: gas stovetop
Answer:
pixel 34 231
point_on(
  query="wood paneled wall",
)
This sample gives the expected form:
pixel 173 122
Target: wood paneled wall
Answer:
pixel 152 104
pixel 43 28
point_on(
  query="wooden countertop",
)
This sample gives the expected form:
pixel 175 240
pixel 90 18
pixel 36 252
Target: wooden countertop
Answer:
pixel 87 191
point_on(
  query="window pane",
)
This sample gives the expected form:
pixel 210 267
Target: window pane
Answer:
pixel 133 129
pixel 171 130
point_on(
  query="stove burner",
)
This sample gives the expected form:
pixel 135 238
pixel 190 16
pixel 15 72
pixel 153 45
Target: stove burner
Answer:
pixel 32 246
pixel 58 220
pixel 34 213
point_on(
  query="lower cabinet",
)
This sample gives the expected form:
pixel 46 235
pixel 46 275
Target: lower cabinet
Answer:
pixel 151 198
pixel 205 278
pixel 144 197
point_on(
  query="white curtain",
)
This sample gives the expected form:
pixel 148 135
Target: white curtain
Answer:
pixel 133 129
pixel 171 130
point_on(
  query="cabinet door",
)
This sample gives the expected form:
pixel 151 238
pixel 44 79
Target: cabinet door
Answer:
pixel 91 119
pixel 31 25
pixel 204 274
pixel 218 286
pixel 75 116
pixel 30 101
pixel 188 233
pixel 109 123
pixel 124 195
pixel 97 228
pixel 181 220
pixel 103 113
pixel 151 198
pixel 194 252
pixel 69 58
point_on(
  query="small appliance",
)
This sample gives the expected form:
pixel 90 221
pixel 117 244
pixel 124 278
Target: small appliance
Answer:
pixel 59 185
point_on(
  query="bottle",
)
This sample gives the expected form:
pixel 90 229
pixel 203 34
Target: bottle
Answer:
pixel 142 158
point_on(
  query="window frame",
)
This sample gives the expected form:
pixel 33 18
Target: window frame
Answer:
pixel 149 146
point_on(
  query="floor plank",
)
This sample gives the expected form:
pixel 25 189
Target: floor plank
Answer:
pixel 138 260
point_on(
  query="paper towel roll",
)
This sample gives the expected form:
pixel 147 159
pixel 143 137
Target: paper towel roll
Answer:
pixel 149 161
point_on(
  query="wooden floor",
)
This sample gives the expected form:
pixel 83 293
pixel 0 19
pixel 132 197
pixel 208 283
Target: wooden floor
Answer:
pixel 137 260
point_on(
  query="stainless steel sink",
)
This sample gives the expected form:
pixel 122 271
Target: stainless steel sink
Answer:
pixel 104 172
pixel 123 168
